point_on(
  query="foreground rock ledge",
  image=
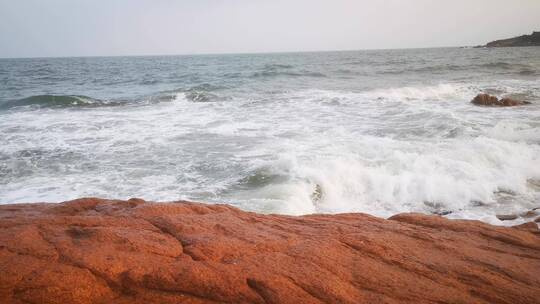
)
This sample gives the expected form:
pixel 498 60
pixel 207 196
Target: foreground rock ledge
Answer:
pixel 103 251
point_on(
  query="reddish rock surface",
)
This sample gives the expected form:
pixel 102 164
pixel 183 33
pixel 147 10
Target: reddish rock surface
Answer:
pixel 102 251
pixel 489 100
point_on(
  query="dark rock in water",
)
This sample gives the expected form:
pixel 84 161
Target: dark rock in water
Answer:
pixel 485 100
pixel 317 194
pixel 507 217
pixel 477 204
pixel 490 100
pixel 509 102
pixel 443 212
pixel 106 251
pixel 524 40
pixel 437 208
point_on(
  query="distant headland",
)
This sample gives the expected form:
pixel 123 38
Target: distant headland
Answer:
pixel 524 40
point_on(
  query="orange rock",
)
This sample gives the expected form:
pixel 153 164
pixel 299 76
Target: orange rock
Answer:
pixel 485 100
pixel 107 251
pixel 509 102
pixel 489 100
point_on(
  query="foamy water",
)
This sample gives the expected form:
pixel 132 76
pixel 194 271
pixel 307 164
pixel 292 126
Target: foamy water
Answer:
pixel 381 132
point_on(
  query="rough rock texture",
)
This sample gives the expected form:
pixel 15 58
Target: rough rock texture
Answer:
pixel 489 100
pixel 524 40
pixel 102 251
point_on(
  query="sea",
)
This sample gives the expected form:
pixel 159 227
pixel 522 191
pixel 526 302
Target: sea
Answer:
pixel 376 131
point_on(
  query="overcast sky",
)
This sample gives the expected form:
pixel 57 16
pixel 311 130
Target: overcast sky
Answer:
pixel 35 28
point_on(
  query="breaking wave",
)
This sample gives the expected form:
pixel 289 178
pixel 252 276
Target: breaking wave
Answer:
pixel 201 93
pixel 501 66
pixel 276 70
pixel 461 177
pixel 59 101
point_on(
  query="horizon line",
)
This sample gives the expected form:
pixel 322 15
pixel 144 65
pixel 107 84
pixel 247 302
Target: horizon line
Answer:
pixel 234 53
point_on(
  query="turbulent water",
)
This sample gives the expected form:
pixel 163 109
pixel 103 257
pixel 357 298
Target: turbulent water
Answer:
pixel 381 132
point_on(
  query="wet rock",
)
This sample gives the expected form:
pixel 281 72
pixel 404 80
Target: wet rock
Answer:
pixel 510 102
pixel 443 212
pixel 108 251
pixel 490 100
pixel 437 208
pixel 507 217
pixel 317 194
pixel 485 100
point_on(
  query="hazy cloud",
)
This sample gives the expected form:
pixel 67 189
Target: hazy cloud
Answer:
pixel 137 27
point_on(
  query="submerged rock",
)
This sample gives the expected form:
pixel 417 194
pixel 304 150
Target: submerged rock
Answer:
pixel 438 208
pixel 489 100
pixel 107 251
pixel 507 217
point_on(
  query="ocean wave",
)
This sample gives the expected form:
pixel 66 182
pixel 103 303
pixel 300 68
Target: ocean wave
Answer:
pixel 512 68
pixel 276 70
pixel 208 87
pixel 501 65
pixel 436 92
pixel 201 96
pixel 512 131
pixel 205 92
pixel 407 94
pixel 260 178
pixel 270 74
pixel 161 97
pixel 391 176
pixel 447 92
pixel 521 69
pixel 527 72
pixel 277 66
pixel 59 101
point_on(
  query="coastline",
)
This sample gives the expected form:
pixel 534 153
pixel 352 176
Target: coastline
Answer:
pixel 109 251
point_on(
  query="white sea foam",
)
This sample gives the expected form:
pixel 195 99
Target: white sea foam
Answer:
pixel 375 174
pixel 434 174
pixel 441 92
pixel 383 151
